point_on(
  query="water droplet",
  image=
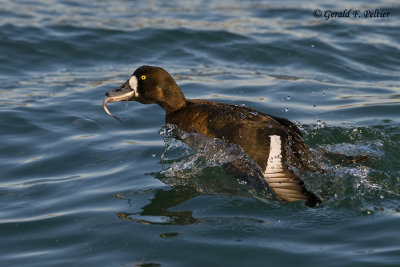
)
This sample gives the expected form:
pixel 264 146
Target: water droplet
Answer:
pixel 320 123
pixel 242 182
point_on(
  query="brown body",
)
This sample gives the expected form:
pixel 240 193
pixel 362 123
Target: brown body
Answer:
pixel 246 127
pixel 239 125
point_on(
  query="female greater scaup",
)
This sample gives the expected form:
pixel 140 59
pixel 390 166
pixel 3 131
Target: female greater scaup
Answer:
pixel 274 143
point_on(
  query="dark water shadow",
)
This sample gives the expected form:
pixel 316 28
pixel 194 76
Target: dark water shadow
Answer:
pixel 159 206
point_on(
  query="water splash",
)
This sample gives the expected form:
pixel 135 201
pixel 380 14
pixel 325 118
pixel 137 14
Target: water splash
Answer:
pixel 192 159
pixel 214 151
pixel 352 159
pixel 362 168
pixel 371 149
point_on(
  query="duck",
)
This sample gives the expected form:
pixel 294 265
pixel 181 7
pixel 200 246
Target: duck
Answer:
pixel 275 144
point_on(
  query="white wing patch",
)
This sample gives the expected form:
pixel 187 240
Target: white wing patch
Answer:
pixel 284 184
pixel 274 163
pixel 133 85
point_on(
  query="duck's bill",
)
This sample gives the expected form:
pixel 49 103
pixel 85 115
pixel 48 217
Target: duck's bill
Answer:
pixel 122 93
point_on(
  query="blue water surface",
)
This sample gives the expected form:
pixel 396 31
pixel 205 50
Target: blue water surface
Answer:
pixel 79 188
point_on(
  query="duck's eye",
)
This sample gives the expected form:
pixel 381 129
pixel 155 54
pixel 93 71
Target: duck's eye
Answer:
pixel 143 77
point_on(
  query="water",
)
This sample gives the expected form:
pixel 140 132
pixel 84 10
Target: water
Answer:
pixel 79 188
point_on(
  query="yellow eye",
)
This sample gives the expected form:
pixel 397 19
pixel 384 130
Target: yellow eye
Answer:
pixel 143 77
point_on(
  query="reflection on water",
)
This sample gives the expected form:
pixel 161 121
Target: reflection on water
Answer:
pixel 157 211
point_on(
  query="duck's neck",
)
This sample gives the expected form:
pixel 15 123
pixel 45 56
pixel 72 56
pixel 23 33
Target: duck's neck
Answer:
pixel 173 102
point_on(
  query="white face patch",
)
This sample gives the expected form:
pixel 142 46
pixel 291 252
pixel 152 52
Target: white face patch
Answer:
pixel 133 85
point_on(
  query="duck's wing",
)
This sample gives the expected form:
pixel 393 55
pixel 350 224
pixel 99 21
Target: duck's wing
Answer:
pixel 276 146
pixel 275 151
pixel 280 178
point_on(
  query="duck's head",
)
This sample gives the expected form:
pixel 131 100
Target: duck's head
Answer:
pixel 149 85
